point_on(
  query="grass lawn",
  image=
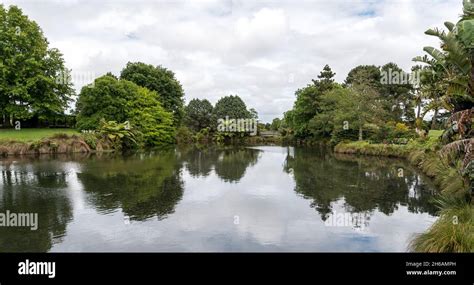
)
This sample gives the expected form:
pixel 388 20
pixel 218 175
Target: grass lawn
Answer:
pixel 435 133
pixel 25 135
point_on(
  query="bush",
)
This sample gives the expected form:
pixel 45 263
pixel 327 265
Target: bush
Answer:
pixel 119 135
pixel 344 135
pixel 90 139
pixel 121 100
pixel 184 135
pixel 401 128
pixel 391 132
pixel 203 136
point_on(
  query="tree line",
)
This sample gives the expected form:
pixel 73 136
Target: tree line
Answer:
pixel 379 104
pixel 368 105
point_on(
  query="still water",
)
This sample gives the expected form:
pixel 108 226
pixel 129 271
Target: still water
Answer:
pixel 234 199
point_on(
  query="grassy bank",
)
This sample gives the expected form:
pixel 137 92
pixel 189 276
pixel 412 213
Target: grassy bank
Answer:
pixel 454 230
pixel 30 135
pixel 49 141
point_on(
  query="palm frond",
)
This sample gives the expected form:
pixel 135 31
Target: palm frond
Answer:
pixel 435 53
pixel 450 26
pixel 456 117
pixel 457 148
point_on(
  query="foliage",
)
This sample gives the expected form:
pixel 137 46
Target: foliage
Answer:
pixel 203 136
pixel 231 106
pixel 452 232
pixel 153 123
pixel 120 135
pixel 392 132
pixel 91 139
pixel 349 109
pixel 198 114
pixel 33 78
pixel 253 113
pixel 307 104
pixel 451 71
pixel 121 100
pixel 355 110
pixel 161 80
pixel 373 75
pixel 397 93
pixel 276 124
pixel 453 65
pixel 184 135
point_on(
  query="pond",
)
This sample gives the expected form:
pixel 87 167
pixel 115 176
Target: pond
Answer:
pixel 267 198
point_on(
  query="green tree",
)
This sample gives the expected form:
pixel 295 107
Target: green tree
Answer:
pixel 365 104
pixel 373 75
pixel 253 113
pixel 121 100
pixel 325 79
pixel 454 62
pixel 276 123
pixel 307 103
pixel 355 107
pixel 465 35
pixel 397 93
pixel 157 78
pixel 33 78
pixel 198 114
pixel 322 124
pixel 233 107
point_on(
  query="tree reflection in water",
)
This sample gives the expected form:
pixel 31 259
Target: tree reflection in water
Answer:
pixel 34 188
pixel 364 183
pixel 144 186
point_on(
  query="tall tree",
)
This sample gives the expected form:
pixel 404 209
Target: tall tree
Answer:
pixel 465 35
pixel 358 105
pixel 276 123
pixel 372 73
pixel 198 114
pixel 253 113
pixel 307 103
pixel 397 92
pixel 157 78
pixel 325 79
pixel 33 77
pixel 233 107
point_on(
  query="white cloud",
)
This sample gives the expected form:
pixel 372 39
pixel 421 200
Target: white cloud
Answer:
pixel 247 47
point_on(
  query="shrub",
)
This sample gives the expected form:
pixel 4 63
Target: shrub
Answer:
pixel 184 135
pixel 452 232
pixel 121 100
pixel 203 136
pixel 120 135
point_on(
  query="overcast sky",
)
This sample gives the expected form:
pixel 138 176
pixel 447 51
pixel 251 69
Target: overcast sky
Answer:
pixel 261 50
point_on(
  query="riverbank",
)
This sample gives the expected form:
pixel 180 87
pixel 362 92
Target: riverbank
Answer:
pixel 60 143
pixel 57 143
pixel 454 230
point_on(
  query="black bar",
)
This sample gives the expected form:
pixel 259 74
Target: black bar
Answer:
pixel 242 266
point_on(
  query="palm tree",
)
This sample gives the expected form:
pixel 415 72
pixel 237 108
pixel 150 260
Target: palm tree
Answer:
pixel 452 84
pixel 465 34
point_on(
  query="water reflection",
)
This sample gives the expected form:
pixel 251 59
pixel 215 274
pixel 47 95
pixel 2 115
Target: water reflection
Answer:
pixel 365 183
pixel 188 200
pixel 229 164
pixel 143 186
pixel 34 188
